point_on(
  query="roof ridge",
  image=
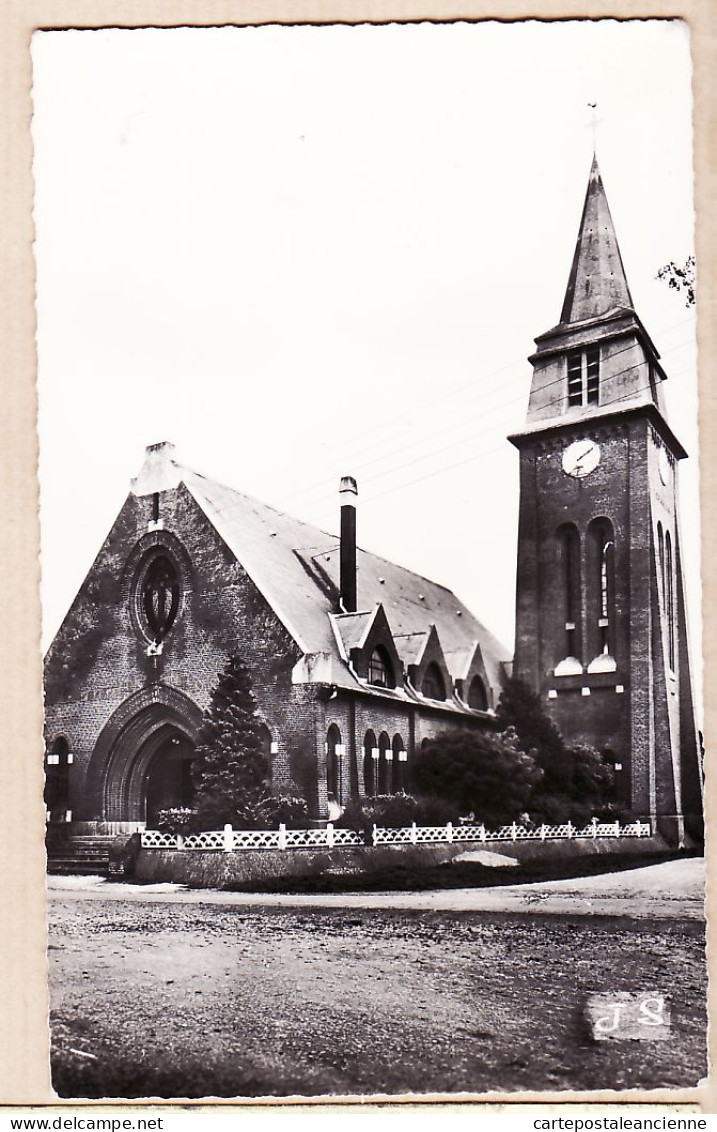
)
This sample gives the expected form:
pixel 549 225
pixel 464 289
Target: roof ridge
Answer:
pixel 261 503
pixel 319 530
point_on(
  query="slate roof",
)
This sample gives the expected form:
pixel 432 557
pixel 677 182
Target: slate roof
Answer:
pixel 597 282
pixel 410 646
pixel 296 567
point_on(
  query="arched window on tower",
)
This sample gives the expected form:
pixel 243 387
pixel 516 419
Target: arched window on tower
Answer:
pixel 570 571
pixel 380 669
pixel 570 601
pixel 602 596
pixel 670 602
pixel 477 696
pixel 433 685
pixel 370 759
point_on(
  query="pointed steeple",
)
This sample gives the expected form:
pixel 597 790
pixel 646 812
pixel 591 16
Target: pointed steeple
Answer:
pixel 597 282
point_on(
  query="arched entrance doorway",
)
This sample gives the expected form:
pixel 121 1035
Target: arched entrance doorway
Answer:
pixel 168 780
pixel 141 761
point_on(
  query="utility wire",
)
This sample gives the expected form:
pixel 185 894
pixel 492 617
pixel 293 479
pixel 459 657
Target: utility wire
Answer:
pixel 425 455
pixel 448 467
pixel 319 488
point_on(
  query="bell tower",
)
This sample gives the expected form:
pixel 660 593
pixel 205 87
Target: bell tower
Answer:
pixel 600 607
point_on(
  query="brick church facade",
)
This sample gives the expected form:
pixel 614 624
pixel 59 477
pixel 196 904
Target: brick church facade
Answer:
pixel 356 662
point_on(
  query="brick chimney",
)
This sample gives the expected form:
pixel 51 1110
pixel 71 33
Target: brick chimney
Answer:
pixel 348 493
pixel 159 472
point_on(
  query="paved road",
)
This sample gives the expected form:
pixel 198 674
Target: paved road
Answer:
pixel 670 890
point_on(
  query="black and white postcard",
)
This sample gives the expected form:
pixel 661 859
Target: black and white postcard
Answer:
pixel 371 602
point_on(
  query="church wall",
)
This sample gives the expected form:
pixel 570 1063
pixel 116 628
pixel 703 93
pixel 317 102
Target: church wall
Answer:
pixel 624 370
pixel 356 715
pixel 642 725
pixel 549 499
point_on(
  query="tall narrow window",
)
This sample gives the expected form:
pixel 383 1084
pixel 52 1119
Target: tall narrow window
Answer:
pixel 592 375
pixel 669 602
pixel 333 764
pixel 601 595
pixel 605 596
pixel 399 764
pixel 57 780
pixel 268 750
pixel 575 379
pixel 584 376
pixel 571 606
pixel 385 764
pixel 369 764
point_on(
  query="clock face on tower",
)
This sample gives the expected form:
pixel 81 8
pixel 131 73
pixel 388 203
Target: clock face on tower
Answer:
pixel 663 464
pixel 581 458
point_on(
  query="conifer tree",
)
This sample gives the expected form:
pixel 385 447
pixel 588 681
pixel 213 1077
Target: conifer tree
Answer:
pixel 520 707
pixel 231 770
pixel 577 781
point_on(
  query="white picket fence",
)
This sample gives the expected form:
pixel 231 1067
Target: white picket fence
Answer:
pixel 228 840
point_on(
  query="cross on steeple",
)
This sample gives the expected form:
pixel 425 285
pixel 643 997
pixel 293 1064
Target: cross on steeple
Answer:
pixel 594 123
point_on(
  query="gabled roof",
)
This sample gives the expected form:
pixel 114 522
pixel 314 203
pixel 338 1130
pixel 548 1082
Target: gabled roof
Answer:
pixel 353 628
pixel 296 567
pixel 410 646
pixel 597 283
pixel 459 661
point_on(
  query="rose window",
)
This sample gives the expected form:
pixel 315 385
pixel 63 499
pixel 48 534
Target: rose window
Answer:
pixel 159 597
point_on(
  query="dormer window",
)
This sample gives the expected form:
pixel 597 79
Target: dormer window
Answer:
pixel 380 670
pixel 584 377
pixel 477 697
pixel 433 685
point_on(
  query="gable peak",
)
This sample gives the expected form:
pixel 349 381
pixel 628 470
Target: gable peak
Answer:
pixel 159 472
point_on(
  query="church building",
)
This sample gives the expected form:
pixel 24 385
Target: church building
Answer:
pixel 600 608
pixel 356 662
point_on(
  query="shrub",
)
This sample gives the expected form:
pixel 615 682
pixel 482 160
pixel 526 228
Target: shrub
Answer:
pixel 178 819
pixel 287 809
pixel 358 815
pixel 576 782
pixel 395 811
pixel 479 772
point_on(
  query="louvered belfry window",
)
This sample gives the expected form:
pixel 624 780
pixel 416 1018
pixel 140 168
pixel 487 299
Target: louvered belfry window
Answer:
pixel 584 377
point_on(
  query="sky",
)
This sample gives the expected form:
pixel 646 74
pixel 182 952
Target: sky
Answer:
pixel 305 252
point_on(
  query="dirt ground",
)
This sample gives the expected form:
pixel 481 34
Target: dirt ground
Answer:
pixel 190 999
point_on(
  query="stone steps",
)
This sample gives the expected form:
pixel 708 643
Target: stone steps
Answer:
pixel 84 855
